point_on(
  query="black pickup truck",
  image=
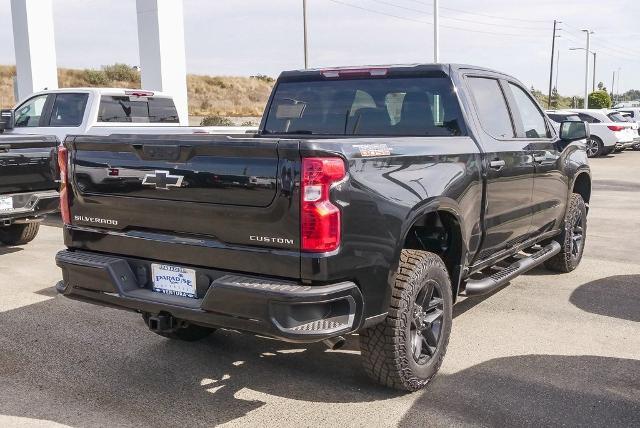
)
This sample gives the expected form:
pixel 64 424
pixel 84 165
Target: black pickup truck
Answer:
pixel 369 200
pixel 28 187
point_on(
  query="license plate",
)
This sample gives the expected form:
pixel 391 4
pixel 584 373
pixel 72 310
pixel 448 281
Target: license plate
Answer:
pixel 173 280
pixel 6 204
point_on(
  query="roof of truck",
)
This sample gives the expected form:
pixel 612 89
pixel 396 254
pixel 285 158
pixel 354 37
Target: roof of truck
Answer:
pixel 407 67
pixel 105 91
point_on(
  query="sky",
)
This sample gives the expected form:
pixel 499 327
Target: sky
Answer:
pixel 248 37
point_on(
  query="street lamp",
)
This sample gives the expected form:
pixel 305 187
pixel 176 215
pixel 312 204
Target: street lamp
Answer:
pixel 594 65
pixel 586 70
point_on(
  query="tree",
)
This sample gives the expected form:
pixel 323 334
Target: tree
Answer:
pixel 555 98
pixel 599 99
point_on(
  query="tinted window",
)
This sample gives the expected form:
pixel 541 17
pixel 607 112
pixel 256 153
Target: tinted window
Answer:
pixel 425 106
pixel 617 117
pixel 492 107
pixel 28 114
pixel 588 118
pixel 563 117
pixel 68 110
pixel 532 118
pixel 137 109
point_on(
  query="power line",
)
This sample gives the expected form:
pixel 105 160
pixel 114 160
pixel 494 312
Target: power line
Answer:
pixel 427 22
pixel 485 14
pixel 410 9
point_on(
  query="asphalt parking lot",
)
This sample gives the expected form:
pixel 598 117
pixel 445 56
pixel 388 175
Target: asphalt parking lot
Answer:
pixel 545 350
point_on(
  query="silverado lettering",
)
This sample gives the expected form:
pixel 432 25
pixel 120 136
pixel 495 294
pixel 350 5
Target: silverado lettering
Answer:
pixel 95 220
pixel 473 187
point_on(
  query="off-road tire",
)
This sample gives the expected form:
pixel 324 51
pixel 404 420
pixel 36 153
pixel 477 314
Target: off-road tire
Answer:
pixel 565 261
pixel 19 234
pixel 386 349
pixel 189 333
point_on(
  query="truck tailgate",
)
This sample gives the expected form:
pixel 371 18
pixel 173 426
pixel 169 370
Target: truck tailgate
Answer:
pixel 216 193
pixel 27 164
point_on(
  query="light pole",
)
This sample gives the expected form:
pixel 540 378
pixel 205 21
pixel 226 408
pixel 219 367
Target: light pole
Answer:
pixel 436 32
pixel 304 24
pixel 594 65
pixel 586 70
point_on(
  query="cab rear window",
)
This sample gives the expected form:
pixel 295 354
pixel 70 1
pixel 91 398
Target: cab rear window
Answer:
pixel 420 106
pixel 127 109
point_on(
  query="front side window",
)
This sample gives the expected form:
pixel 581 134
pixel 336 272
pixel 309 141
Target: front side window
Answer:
pixel 491 107
pixel 416 106
pixel 68 109
pixel 127 109
pixel 28 114
pixel 532 118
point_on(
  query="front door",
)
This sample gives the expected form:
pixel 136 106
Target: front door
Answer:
pixel 509 166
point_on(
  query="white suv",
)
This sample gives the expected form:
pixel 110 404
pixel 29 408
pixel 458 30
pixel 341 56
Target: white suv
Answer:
pixel 606 134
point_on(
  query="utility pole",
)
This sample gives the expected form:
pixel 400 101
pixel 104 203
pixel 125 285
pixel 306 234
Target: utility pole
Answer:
pixel 436 32
pixel 613 82
pixel 304 23
pixel 594 72
pixel 557 69
pixel 553 54
pixel 586 70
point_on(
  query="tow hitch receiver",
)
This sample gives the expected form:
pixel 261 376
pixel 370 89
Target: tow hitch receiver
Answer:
pixel 162 323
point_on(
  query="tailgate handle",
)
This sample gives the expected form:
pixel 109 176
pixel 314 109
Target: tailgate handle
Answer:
pixel 162 152
pixel 5 148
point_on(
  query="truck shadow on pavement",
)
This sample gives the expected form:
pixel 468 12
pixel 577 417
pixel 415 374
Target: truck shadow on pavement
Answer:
pixel 534 390
pixel 81 365
pixel 8 250
pixel 616 296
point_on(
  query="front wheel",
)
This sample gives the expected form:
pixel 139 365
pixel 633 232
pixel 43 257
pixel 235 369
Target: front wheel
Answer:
pixel 595 147
pixel 572 239
pixel 405 351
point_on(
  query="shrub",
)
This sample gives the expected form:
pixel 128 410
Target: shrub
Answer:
pixel 599 99
pixel 121 72
pixel 96 77
pixel 216 120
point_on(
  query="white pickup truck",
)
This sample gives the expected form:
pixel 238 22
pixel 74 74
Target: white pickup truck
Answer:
pixel 101 111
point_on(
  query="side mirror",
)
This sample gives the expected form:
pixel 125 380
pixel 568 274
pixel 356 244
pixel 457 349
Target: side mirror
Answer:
pixel 573 131
pixel 6 119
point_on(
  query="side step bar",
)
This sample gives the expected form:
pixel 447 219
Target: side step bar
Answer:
pixel 478 287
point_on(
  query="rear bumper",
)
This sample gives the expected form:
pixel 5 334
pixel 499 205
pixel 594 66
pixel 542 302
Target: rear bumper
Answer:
pixel 281 309
pixel 31 205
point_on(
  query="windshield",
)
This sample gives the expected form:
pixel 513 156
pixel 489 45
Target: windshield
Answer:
pixel 424 106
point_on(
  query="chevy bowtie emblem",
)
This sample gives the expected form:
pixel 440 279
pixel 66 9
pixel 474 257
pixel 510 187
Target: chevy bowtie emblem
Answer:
pixel 162 180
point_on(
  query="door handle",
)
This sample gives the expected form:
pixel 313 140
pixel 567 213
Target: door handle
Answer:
pixel 539 159
pixel 497 164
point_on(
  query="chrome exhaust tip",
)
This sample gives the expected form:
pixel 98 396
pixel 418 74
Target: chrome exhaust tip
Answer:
pixel 334 343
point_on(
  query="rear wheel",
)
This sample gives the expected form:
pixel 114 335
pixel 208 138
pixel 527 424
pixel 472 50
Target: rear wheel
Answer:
pixel 572 238
pixel 406 350
pixel 185 332
pixel 595 147
pixel 19 234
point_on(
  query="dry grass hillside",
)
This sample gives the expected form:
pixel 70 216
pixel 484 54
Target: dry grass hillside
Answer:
pixel 208 95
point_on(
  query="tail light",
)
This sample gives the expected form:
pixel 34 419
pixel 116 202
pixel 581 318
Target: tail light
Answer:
pixel 319 218
pixel 616 128
pixel 63 157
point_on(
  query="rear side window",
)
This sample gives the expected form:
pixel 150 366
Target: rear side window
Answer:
pixel 617 117
pixel 492 107
pixel 588 118
pixel 420 106
pixel 126 109
pixel 532 118
pixel 68 109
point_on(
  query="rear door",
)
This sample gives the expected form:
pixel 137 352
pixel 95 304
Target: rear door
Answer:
pixel 509 167
pixel 550 186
